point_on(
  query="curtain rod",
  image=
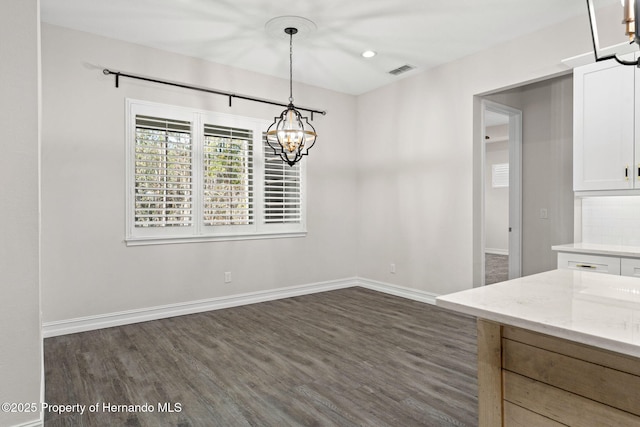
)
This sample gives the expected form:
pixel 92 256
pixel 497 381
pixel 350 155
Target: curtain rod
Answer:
pixel 230 95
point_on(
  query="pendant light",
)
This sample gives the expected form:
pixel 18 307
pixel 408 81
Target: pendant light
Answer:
pixel 631 9
pixel 291 135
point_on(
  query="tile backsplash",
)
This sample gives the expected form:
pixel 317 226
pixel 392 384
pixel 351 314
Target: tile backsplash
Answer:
pixel 611 220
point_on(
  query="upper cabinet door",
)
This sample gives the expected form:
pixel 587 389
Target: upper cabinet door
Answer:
pixel 603 127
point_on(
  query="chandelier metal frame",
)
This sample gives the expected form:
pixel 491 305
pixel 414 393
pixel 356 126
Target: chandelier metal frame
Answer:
pixel 291 135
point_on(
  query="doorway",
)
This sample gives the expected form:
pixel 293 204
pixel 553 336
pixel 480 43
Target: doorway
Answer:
pixel 501 192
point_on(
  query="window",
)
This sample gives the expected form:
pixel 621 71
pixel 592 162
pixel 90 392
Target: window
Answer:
pixel 228 176
pixel 195 175
pixel 500 175
pixel 163 187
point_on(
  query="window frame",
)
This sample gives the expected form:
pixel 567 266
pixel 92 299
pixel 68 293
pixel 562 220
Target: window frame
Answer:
pixel 198 231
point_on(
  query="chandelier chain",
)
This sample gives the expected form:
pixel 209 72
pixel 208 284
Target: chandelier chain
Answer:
pixel 291 67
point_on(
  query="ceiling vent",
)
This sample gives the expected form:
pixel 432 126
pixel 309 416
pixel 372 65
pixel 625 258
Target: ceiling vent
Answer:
pixel 401 70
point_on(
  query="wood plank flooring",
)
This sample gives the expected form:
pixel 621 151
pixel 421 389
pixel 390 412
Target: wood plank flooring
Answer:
pixel 350 357
pixel 496 268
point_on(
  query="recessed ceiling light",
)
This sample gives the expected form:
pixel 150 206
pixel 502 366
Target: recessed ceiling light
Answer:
pixel 368 54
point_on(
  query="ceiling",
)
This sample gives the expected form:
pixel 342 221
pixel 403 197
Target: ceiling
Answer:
pixel 419 33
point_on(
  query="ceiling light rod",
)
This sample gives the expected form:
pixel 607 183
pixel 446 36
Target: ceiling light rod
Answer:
pixel 230 95
pixel 631 10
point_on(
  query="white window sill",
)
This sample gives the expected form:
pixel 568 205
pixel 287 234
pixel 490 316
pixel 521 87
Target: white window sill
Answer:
pixel 143 241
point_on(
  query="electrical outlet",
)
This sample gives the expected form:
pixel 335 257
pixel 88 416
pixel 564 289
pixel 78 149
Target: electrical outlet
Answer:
pixel 392 269
pixel 544 214
pixel 227 277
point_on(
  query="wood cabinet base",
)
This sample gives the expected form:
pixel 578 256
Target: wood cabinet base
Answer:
pixel 526 378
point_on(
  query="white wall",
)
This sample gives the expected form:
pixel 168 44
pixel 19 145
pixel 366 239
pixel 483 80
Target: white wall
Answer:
pixel 21 348
pixel 418 169
pixel 86 268
pixel 496 200
pixel 547 172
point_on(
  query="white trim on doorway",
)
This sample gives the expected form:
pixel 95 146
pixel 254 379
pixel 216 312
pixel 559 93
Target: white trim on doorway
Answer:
pixel 515 188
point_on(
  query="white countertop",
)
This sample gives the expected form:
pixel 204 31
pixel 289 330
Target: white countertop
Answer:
pixel 599 249
pixel 596 309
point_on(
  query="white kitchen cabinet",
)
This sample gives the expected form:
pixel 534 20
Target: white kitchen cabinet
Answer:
pixel 602 258
pixel 630 267
pixel 604 143
pixel 599 263
pixel 583 262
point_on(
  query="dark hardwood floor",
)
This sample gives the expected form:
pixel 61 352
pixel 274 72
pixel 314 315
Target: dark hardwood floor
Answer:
pixel 350 357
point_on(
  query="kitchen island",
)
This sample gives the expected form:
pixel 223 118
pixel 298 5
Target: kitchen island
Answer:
pixel 556 348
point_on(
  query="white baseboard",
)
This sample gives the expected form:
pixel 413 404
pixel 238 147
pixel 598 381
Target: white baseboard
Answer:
pixel 495 251
pixel 399 291
pixel 89 323
pixel 37 423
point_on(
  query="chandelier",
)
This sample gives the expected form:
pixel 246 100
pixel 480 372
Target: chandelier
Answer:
pixel 291 135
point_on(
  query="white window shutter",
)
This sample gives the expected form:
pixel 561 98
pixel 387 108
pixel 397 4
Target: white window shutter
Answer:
pixel 282 189
pixel 163 174
pixel 228 176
